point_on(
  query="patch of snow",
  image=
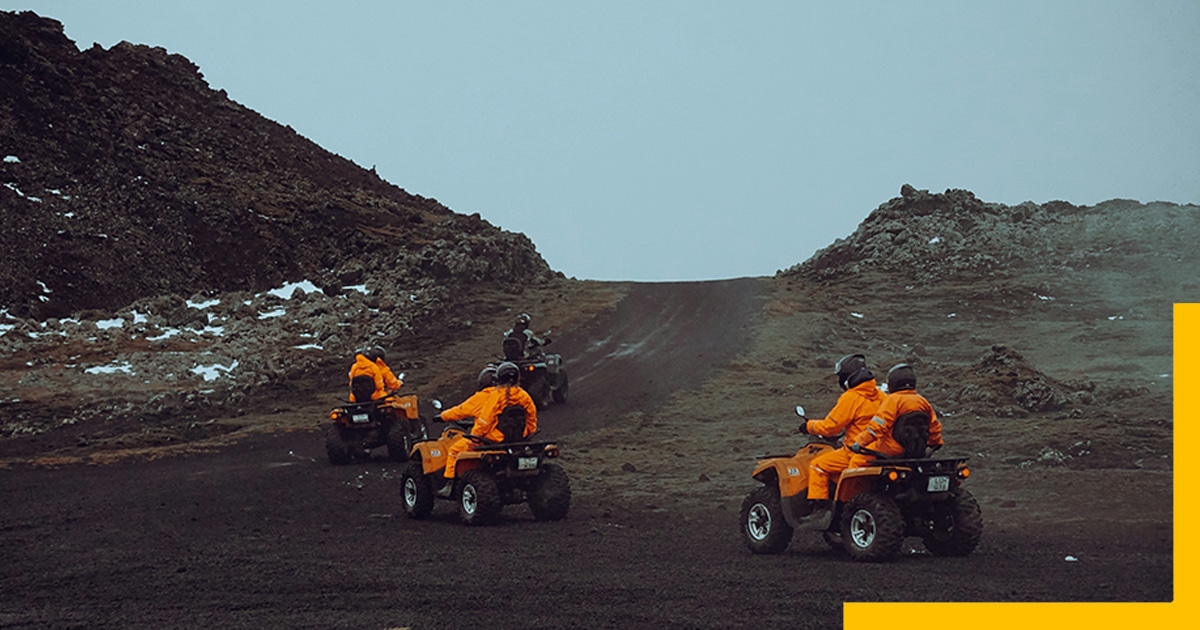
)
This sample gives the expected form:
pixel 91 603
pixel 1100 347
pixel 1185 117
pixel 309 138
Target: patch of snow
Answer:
pixel 935 240
pixel 1115 317
pixel 308 346
pixel 139 318
pixel 214 371
pixel 287 291
pixel 105 324
pixel 952 315
pixel 858 315
pixel 361 288
pixel 213 330
pixel 202 305
pixel 12 159
pixel 279 312
pixel 1044 298
pixel 125 368
pixel 167 334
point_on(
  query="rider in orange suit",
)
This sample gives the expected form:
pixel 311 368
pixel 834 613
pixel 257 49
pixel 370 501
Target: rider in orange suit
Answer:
pixel 363 366
pixel 370 363
pixel 852 413
pixel 485 406
pixel 902 398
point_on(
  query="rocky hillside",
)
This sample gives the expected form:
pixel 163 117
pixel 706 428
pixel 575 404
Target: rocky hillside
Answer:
pixel 125 177
pixel 168 255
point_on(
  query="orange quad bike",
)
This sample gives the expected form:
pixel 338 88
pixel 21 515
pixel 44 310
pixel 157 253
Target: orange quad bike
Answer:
pixel 488 476
pixel 356 428
pixel 873 508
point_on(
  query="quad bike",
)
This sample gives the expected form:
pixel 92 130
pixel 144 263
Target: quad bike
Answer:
pixel 873 508
pixel 488 476
pixel 356 428
pixel 542 374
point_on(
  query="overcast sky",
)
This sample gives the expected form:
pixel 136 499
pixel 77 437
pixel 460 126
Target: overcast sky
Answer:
pixel 654 140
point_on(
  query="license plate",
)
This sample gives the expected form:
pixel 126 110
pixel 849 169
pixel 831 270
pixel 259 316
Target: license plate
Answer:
pixel 360 417
pixel 527 463
pixel 939 484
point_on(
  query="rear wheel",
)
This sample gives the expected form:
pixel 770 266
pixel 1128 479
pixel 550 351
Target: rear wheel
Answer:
pixel 537 385
pixel 872 528
pixel 399 444
pixel 560 392
pixel 764 529
pixel 337 445
pixel 478 498
pixel 958 526
pixel 550 494
pixel 417 491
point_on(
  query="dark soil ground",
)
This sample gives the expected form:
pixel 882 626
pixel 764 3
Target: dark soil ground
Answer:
pixel 676 390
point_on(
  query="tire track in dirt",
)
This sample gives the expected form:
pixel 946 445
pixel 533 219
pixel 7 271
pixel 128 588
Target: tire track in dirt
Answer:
pixel 661 338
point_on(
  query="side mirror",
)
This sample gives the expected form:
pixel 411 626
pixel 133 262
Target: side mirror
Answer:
pixel 400 376
pixel 800 411
pixel 437 404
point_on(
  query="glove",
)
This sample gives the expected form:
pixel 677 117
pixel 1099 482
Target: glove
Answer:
pixel 856 448
pixel 803 428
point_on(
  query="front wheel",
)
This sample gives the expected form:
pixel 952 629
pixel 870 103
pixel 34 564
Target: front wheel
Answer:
pixel 872 528
pixel 550 494
pixel 478 498
pixel 764 529
pixel 958 526
pixel 417 491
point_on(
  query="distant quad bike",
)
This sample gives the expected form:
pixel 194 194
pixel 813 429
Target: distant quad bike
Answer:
pixel 356 428
pixel 542 374
pixel 874 508
pixel 488 476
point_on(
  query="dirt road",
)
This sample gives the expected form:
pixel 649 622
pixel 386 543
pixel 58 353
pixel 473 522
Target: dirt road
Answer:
pixel 266 533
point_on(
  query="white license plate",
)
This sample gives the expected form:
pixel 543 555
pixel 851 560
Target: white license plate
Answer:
pixel 360 417
pixel 527 463
pixel 939 484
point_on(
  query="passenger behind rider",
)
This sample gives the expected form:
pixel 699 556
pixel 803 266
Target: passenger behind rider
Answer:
pixel 369 364
pixel 486 410
pixel 902 399
pixel 855 407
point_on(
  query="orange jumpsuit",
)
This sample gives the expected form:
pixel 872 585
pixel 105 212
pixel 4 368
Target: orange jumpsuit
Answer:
pixel 853 412
pixel 365 367
pixel 486 406
pixel 389 379
pixel 878 436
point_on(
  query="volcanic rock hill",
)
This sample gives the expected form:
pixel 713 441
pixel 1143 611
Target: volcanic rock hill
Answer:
pixel 124 176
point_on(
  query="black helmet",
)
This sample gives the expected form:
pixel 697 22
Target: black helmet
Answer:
pixel 487 377
pixel 508 373
pixel 523 320
pixel 374 353
pixel 901 377
pixel 848 366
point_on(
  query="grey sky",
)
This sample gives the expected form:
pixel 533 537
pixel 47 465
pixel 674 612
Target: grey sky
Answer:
pixel 652 140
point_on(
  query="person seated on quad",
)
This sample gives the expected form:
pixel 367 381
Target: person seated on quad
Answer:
pixel 904 425
pixel 375 379
pixel 472 407
pixel 497 406
pixel 530 344
pixel 858 403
